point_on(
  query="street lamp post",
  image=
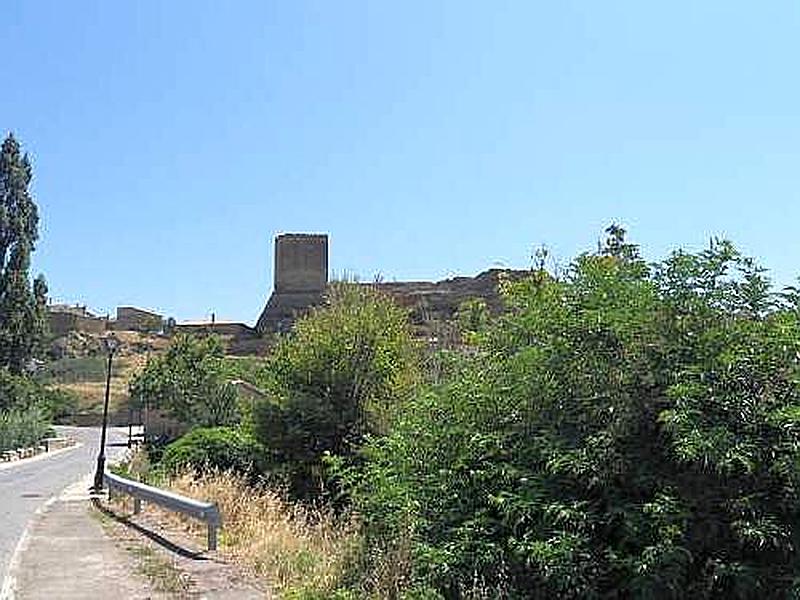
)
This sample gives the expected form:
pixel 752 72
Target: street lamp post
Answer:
pixel 110 343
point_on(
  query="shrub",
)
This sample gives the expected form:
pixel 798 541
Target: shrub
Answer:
pixel 335 380
pixel 26 410
pixel 22 427
pixel 20 391
pixel 59 403
pixel 17 390
pixel 626 431
pixel 188 382
pixel 213 448
pixel 473 318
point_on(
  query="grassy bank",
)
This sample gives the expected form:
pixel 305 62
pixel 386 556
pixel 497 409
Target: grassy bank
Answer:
pixel 296 550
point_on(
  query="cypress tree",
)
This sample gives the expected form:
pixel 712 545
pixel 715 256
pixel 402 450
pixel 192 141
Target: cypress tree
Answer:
pixel 20 313
pixel 41 323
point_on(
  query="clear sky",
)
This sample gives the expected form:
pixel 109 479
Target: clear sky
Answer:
pixel 172 140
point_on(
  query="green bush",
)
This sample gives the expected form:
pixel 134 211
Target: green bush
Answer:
pixel 22 427
pixel 336 379
pixel 17 391
pixel 189 382
pixel 26 410
pixel 626 431
pixel 59 403
pixel 215 448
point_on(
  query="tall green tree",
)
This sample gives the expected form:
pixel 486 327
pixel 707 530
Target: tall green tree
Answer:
pixel 41 324
pixel 188 382
pixel 19 219
pixel 337 380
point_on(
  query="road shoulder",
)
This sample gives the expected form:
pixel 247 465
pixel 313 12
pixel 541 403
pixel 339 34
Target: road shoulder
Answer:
pixel 168 551
pixel 66 554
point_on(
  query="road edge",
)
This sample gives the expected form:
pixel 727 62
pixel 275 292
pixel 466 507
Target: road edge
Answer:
pixel 10 580
pixel 26 461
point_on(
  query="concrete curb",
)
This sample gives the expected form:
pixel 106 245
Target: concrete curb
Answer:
pixel 46 445
pixel 40 456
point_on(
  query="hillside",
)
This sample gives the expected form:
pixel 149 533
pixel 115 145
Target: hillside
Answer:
pixel 79 366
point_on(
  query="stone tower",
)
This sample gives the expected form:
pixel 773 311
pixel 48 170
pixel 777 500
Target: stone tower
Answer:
pixel 300 279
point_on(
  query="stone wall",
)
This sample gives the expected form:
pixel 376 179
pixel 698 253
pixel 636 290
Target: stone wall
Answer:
pixel 218 327
pixel 62 323
pixel 440 300
pixel 300 279
pixel 130 318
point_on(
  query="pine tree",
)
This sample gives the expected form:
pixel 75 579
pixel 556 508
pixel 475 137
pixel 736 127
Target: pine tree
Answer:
pixel 20 335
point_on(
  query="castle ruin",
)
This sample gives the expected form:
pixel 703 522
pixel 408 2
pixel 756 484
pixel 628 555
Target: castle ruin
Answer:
pixel 300 279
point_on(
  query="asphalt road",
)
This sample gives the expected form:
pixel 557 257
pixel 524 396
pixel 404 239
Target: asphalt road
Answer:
pixel 26 486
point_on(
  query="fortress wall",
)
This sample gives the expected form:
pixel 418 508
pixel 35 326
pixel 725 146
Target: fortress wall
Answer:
pixel 62 323
pixel 441 300
pixel 130 318
pixel 301 263
pixel 300 279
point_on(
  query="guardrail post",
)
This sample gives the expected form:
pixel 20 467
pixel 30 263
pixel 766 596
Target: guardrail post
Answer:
pixel 205 511
pixel 212 536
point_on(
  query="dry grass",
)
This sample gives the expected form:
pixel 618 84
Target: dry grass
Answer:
pixel 289 546
pixel 90 395
pixel 130 359
pixel 296 551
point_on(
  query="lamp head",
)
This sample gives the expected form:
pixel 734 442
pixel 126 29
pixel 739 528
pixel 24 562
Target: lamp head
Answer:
pixel 111 343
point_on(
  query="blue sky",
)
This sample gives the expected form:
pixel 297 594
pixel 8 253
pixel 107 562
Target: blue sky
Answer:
pixel 172 140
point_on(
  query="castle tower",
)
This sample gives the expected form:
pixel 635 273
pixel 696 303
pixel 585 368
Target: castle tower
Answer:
pixel 300 279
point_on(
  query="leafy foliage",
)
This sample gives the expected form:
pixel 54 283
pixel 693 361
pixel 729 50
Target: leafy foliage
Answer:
pixel 335 380
pixel 21 307
pixel 473 318
pixel 17 391
pixel 22 427
pixel 624 431
pixel 213 448
pixel 187 381
pixel 27 409
pixel 41 324
pixel 58 403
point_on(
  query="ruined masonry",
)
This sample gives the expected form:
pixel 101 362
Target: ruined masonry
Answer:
pixel 301 277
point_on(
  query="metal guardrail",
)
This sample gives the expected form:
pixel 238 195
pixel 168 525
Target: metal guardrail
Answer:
pixel 204 511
